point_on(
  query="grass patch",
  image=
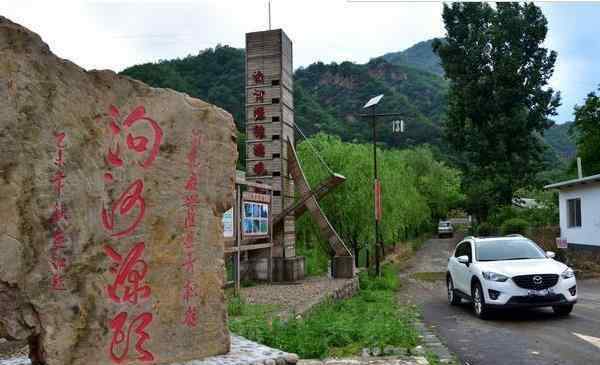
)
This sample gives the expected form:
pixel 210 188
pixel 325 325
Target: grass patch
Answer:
pixel 239 309
pixel 432 357
pixel 430 276
pixel 371 318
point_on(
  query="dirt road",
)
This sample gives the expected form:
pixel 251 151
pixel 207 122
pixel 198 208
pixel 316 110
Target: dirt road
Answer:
pixel 524 337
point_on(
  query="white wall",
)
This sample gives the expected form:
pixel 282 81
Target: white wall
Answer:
pixel 589 232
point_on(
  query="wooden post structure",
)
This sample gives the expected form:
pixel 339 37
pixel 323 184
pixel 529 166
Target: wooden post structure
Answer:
pixel 269 124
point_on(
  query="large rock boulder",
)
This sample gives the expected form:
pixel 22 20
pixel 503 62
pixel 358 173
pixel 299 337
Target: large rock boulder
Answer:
pixel 111 194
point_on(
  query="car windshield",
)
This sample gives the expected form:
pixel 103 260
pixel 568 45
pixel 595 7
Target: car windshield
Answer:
pixel 444 224
pixel 503 249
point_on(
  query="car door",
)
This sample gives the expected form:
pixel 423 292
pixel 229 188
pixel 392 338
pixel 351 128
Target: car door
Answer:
pixel 453 265
pixel 461 273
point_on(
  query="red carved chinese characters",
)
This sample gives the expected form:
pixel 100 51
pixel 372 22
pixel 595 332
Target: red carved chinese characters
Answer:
pixel 259 96
pixel 259 113
pixel 191 317
pixel 259 150
pixel 58 217
pixel 129 274
pixel 190 201
pixel 134 138
pixel 123 137
pixel 259 168
pixel 124 207
pixel 259 77
pixel 119 346
pixel 259 131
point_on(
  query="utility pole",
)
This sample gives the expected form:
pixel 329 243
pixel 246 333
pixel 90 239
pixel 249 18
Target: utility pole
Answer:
pixel 371 104
pixel 269 14
pixel 376 195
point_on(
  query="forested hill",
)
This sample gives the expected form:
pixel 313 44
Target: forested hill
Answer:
pixel 420 56
pixel 559 139
pixel 328 97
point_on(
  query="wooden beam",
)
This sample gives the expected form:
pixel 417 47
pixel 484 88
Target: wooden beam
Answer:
pixel 312 205
pixel 299 206
pixel 242 248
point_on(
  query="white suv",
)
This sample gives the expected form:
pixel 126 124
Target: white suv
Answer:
pixel 509 272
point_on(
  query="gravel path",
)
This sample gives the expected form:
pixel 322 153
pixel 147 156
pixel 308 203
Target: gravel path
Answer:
pixel 294 298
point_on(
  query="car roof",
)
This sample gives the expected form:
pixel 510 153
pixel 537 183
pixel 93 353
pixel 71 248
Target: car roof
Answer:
pixel 511 237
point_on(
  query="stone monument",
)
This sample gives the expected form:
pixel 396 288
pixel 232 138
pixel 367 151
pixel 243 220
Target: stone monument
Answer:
pixel 111 197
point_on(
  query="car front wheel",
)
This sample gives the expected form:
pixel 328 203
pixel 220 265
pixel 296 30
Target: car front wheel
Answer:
pixel 453 299
pixel 479 305
pixel 563 310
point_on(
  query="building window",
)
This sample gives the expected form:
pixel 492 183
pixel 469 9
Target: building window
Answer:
pixel 574 213
pixel 256 219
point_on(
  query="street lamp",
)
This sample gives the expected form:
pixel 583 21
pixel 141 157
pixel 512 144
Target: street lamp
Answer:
pixel 372 104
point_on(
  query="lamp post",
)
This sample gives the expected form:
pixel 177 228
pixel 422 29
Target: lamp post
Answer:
pixel 371 104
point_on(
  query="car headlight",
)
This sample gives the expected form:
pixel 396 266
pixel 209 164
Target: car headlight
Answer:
pixel 568 273
pixel 494 276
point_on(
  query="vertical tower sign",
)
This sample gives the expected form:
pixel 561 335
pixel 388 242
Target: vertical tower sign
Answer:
pixel 269 127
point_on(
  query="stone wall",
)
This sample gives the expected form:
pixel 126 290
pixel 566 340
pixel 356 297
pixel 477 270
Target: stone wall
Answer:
pixel 111 196
pixel 350 288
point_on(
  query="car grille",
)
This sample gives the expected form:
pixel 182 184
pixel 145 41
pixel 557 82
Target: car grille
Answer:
pixel 536 282
pixel 556 298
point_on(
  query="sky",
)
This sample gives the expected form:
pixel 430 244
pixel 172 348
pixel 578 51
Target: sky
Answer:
pixel 115 34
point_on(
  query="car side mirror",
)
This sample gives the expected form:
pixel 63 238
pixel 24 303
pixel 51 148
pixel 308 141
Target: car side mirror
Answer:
pixel 463 259
pixel 550 254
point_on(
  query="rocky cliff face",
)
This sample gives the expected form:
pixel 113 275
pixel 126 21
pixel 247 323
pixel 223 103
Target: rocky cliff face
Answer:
pixel 111 194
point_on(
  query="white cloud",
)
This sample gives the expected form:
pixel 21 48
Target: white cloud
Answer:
pixel 116 34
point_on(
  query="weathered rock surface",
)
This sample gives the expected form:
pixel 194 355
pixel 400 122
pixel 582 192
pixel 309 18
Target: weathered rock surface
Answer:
pixel 111 194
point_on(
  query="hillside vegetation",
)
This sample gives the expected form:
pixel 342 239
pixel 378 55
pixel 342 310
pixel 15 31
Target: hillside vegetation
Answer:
pixel 420 56
pixel 328 97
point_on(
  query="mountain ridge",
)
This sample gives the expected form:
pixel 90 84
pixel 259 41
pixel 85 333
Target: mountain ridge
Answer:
pixel 329 97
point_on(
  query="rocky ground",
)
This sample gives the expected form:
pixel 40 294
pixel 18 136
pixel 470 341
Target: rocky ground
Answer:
pixel 297 298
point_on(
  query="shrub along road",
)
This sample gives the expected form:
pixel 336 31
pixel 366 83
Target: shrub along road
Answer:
pixel 529 337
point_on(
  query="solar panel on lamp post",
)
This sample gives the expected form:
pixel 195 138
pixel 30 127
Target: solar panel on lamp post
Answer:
pixel 372 104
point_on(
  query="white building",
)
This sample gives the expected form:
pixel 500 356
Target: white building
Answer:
pixel 579 204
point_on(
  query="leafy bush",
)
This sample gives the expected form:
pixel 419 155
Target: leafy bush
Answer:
pixel 485 229
pixel 387 281
pixel 316 256
pixel 515 226
pixel 235 306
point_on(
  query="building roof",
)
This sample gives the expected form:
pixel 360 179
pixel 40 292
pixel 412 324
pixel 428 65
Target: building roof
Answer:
pixel 574 182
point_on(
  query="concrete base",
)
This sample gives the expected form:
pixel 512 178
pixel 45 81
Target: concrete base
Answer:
pixel 288 269
pixel 342 267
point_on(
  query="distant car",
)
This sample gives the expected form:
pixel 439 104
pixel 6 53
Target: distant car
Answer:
pixel 445 229
pixel 509 272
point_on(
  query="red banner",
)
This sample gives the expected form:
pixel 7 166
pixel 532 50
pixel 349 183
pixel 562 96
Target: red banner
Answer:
pixel 377 190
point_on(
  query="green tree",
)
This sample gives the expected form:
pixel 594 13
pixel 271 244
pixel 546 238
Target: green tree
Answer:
pixel 586 131
pixel 499 100
pixel 413 185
